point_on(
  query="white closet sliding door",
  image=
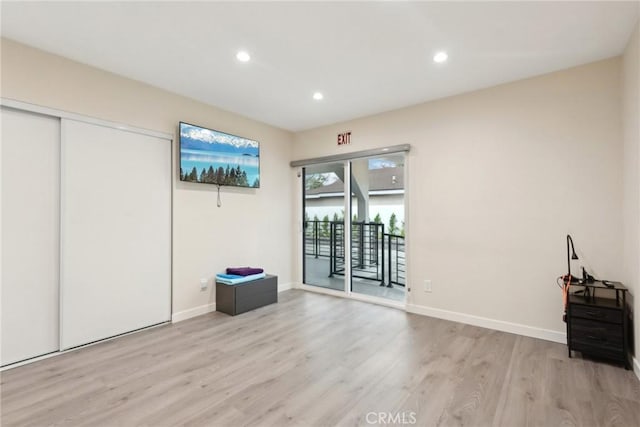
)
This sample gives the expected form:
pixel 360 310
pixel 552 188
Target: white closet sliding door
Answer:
pixel 30 158
pixel 115 232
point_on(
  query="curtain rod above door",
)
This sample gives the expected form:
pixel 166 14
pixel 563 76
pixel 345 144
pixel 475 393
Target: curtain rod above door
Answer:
pixel 353 155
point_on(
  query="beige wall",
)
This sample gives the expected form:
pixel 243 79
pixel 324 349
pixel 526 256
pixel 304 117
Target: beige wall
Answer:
pixel 497 178
pixel 251 228
pixel 631 112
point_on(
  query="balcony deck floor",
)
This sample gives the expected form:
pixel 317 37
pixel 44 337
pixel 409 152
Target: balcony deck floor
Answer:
pixel 317 274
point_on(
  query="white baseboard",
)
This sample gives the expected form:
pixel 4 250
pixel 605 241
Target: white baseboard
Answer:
pixel 483 322
pixel 285 286
pixel 636 367
pixel 193 312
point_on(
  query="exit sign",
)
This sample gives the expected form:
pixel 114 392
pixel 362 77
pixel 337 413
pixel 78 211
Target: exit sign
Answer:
pixel 344 138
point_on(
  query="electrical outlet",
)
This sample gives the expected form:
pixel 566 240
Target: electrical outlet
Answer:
pixel 203 284
pixel 427 285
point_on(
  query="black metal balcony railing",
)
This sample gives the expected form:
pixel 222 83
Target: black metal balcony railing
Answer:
pixel 396 257
pixel 375 255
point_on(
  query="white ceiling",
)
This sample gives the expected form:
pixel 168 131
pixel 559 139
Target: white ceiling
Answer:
pixel 365 57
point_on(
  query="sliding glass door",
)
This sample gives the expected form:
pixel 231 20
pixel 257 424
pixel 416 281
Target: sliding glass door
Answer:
pixel 377 227
pixel 356 245
pixel 324 231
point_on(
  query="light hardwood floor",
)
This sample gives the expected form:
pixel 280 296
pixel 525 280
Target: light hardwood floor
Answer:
pixel 319 360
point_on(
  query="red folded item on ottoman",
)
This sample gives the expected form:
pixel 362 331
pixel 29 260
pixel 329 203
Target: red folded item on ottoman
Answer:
pixel 244 271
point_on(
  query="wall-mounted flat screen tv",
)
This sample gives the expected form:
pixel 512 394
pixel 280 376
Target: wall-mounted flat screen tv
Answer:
pixel 209 156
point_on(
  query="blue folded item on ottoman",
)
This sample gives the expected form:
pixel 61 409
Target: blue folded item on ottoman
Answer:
pixel 234 279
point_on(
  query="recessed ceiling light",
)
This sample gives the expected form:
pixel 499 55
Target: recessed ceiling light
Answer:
pixel 440 57
pixel 243 56
pixel 318 96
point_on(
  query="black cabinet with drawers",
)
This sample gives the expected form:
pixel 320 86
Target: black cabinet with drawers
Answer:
pixel 598 322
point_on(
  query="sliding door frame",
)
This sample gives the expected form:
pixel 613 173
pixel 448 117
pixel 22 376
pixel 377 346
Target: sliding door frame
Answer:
pixel 346 286
pixel 346 160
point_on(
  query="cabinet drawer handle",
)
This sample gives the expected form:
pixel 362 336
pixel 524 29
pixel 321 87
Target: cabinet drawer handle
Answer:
pixel 594 313
pixel 593 337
